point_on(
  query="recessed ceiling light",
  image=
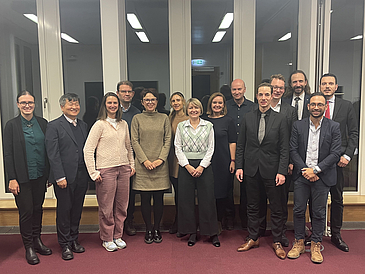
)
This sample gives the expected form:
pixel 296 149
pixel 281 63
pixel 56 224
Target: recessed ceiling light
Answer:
pixel 32 17
pixel 133 21
pixel 218 36
pixel 285 37
pixel 226 21
pixel 68 38
pixel 357 37
pixel 142 36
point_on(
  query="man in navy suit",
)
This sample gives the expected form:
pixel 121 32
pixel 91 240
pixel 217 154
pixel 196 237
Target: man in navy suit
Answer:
pixel 65 139
pixel 343 112
pixel 315 147
pixel 262 156
pixel 298 92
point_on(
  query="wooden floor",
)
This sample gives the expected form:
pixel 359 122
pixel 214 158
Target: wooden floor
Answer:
pixel 354 211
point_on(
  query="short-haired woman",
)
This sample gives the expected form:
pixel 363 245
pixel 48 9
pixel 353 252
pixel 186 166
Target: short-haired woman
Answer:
pixel 194 146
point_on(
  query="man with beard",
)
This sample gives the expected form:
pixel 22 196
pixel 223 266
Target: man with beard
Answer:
pixel 278 84
pixel 237 107
pixel 263 156
pixel 341 111
pixel 315 147
pixel 298 93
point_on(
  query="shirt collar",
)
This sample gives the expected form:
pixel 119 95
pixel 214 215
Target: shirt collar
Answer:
pixel 201 123
pixel 332 100
pixel 313 126
pixel 126 110
pixel 70 120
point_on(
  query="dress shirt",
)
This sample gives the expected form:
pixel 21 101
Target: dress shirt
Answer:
pixel 331 104
pixel 300 104
pixel 180 155
pixel 277 107
pixel 111 121
pixel 311 159
pixel 237 112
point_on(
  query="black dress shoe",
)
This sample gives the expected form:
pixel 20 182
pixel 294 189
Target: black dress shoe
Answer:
pixel 215 241
pixel 157 238
pixel 284 241
pixel 67 253
pixel 76 247
pixel 192 239
pixel 339 243
pixel 31 256
pixel 148 238
pixel 40 247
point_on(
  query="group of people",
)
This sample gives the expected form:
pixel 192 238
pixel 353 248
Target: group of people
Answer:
pixel 128 152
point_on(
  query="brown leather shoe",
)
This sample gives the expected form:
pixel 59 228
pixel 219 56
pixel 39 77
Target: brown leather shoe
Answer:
pixel 297 249
pixel 316 256
pixel 279 250
pixel 248 245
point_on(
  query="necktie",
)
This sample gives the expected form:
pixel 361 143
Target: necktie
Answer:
pixel 296 102
pixel 328 113
pixel 74 122
pixel 261 128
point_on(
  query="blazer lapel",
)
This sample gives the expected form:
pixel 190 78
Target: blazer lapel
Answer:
pixel 337 108
pixel 19 129
pixel 255 124
pixel 270 123
pixel 306 135
pixel 324 128
pixel 65 124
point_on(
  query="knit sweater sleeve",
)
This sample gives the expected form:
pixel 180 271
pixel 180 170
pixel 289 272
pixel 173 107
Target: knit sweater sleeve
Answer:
pixel 89 149
pixel 128 146
pixel 167 140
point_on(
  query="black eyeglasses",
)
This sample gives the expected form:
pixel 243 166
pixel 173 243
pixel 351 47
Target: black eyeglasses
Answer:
pixel 126 91
pixel 149 100
pixel 23 103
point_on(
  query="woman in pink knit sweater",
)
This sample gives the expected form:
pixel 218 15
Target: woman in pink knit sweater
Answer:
pixel 110 169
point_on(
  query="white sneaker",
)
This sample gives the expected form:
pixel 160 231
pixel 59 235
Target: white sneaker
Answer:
pixel 110 246
pixel 120 243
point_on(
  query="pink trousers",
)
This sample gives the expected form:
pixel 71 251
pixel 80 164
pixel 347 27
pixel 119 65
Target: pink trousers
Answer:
pixel 113 195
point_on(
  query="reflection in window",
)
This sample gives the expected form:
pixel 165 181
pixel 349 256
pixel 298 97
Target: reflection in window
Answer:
pixel 148 46
pixel 211 61
pixel 345 62
pixel 81 56
pixel 276 38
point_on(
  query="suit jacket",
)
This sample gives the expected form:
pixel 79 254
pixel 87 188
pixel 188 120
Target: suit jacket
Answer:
pixel 62 150
pixel 344 113
pixel 272 155
pixel 290 113
pixel 15 155
pixel 305 112
pixel 329 149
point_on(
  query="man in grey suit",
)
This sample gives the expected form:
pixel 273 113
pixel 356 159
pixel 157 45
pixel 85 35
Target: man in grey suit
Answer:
pixel 315 147
pixel 341 111
pixel 262 156
pixel 298 92
pixel 65 139
pixel 277 104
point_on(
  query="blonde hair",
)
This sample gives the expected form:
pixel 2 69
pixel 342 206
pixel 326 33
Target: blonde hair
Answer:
pixel 194 102
pixel 173 112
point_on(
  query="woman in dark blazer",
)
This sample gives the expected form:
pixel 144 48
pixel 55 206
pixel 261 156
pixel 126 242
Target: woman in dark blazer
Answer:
pixel 27 168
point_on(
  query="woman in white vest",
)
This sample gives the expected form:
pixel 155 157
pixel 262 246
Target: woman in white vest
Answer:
pixel 194 147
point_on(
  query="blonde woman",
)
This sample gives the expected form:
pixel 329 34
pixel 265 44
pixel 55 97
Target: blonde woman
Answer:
pixel 194 146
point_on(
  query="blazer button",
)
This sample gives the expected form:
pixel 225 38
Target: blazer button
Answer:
pixel 77 151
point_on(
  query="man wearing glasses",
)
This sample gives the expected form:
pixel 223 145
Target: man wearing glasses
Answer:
pixel 278 84
pixel 125 93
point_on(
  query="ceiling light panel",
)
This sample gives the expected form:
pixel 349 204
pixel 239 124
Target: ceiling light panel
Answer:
pixel 285 37
pixel 133 21
pixel 32 17
pixel 218 36
pixel 226 21
pixel 142 36
pixel 357 37
pixel 68 38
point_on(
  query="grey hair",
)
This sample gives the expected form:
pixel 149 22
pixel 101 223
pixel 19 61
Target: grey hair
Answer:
pixel 71 97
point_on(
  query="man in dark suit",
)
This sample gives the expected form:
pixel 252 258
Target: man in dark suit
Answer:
pixel 298 92
pixel 263 156
pixel 315 147
pixel 277 104
pixel 65 139
pixel 341 111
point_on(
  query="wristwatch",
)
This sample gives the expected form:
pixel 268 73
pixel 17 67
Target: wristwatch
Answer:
pixel 315 171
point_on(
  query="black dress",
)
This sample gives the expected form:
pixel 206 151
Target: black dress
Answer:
pixel 224 134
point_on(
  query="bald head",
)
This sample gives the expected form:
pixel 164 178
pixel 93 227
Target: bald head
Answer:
pixel 238 89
